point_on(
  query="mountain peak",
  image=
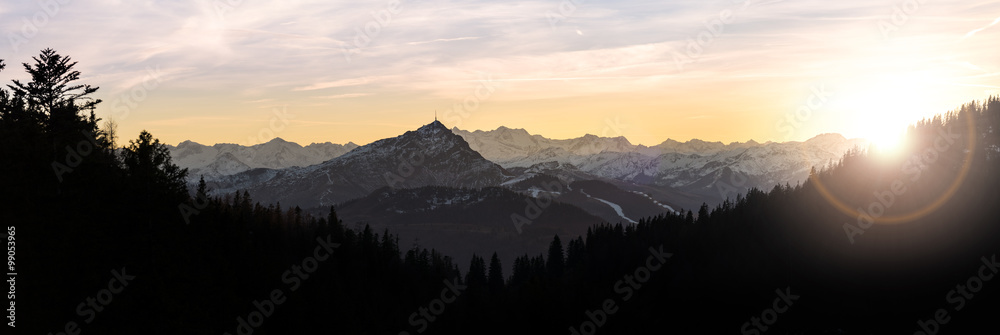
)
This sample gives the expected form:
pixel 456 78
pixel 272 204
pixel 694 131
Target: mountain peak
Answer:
pixel 279 142
pixel 433 127
pixel 189 143
pixel 430 155
pixel 827 138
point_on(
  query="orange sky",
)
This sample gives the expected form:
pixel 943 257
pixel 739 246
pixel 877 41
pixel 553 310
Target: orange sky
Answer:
pixel 762 70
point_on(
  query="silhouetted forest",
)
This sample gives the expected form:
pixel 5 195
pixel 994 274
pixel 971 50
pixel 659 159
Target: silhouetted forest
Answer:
pixel 90 208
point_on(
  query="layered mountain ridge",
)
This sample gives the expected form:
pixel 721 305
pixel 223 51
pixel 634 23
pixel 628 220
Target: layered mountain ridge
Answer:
pixel 679 174
pixel 428 156
pixel 223 159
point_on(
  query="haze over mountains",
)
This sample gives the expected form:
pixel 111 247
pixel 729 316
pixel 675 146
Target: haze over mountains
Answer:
pixel 429 156
pixel 675 174
pixel 504 190
pixel 225 159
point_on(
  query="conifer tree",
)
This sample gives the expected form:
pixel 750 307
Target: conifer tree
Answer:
pixel 556 262
pixel 496 283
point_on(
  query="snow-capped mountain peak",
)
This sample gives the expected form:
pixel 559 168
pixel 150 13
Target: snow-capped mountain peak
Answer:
pixel 224 159
pixel 433 155
pixel 430 156
pixel 432 128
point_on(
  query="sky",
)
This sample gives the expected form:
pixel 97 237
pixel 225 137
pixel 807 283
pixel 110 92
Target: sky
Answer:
pixel 246 71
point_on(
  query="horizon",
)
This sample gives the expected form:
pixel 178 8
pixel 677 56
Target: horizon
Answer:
pixel 723 71
pixel 529 133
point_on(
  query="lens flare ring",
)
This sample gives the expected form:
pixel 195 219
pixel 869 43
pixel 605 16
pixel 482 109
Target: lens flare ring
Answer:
pixel 922 211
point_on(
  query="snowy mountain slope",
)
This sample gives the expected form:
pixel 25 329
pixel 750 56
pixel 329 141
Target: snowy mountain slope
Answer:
pixel 696 146
pixel 678 175
pixel 708 171
pixel 224 159
pixel 510 147
pixel 517 148
pixel 429 156
pixel 598 197
pixel 669 163
pixel 614 206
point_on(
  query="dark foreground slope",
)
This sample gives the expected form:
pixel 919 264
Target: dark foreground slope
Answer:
pixel 463 222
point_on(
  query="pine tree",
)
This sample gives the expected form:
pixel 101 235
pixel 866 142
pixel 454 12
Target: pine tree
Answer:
pixel 521 272
pixel 337 226
pixel 576 253
pixel 703 214
pixel 50 86
pixel 202 191
pixel 41 121
pixel 556 262
pixel 477 272
pixel 496 280
pixel 147 163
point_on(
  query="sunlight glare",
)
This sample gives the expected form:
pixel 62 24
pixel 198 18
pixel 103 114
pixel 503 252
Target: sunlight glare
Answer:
pixel 884 107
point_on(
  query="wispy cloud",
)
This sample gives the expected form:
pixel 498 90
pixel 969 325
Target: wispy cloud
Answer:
pixel 443 40
pixel 343 96
pixel 337 83
pixel 974 31
pixel 196 119
pixel 436 53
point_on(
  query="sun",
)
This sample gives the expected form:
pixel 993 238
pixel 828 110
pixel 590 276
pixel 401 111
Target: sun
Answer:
pixel 880 109
pixel 886 142
pixel 884 132
pixel 883 126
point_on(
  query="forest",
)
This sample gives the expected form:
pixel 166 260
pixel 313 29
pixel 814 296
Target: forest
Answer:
pixel 112 241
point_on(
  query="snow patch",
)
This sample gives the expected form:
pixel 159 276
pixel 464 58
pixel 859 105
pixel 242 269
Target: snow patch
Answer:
pixel 655 202
pixel 618 209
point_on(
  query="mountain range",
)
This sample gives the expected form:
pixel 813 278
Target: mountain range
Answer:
pixel 673 174
pixel 223 159
pixel 683 173
pixel 429 156
pixel 502 190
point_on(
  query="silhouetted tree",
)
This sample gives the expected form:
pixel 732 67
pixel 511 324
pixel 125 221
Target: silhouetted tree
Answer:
pixel 202 191
pixel 703 213
pixel 50 86
pixel 477 272
pixel 556 261
pixel 496 278
pixel 148 164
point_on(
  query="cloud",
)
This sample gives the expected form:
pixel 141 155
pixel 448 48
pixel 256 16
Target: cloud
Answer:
pixel 443 40
pixel 342 96
pixel 973 32
pixel 196 119
pixel 337 83
pixel 441 51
